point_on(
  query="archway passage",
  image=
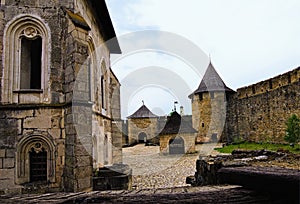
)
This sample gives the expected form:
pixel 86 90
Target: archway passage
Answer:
pixel 142 138
pixel 176 146
pixel 38 165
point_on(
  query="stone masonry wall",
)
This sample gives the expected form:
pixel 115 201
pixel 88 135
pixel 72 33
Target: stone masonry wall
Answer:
pixel 14 125
pixel 209 115
pixel 259 112
pixel 139 125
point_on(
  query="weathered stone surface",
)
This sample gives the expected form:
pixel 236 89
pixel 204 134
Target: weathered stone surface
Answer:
pixel 261 115
pixel 46 114
pixel 274 179
pixel 19 114
pixel 2 153
pixel 37 122
pixel 10 153
pixel 8 163
pixel 209 195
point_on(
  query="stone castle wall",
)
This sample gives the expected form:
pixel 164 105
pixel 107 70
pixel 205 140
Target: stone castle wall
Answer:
pixel 259 112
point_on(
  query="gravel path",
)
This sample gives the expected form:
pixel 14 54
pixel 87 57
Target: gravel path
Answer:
pixel 152 170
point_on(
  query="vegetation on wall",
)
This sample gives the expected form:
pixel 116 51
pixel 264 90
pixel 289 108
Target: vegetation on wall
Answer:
pixel 293 129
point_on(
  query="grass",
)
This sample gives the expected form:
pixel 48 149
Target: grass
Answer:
pixel 259 146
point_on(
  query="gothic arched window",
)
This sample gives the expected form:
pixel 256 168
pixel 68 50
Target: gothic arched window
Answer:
pixel 26 60
pixel 35 159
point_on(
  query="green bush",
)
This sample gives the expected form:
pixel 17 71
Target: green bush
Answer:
pixel 293 129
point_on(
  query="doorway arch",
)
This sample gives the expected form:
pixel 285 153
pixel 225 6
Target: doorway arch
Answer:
pixel 142 137
pixel 176 146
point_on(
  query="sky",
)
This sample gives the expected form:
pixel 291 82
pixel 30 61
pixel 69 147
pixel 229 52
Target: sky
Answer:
pixel 246 40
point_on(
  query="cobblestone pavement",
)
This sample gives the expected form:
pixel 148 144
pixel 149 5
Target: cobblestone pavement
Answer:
pixel 155 178
pixel 152 170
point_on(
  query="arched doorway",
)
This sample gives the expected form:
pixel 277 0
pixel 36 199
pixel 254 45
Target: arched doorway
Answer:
pixel 176 146
pixel 142 138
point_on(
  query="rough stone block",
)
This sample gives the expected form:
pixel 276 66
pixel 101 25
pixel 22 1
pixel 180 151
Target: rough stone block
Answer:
pixel 10 153
pixel 2 153
pixel 70 130
pixel 38 122
pixel 8 163
pixel 1 163
pixel 19 114
pixel 83 172
pixel 63 134
pixel 84 161
pixel 55 121
pixel 29 98
pixel 55 133
pixel 20 129
pixel 7 181
pixel 84 184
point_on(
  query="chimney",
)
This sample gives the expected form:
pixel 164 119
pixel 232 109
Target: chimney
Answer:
pixel 181 111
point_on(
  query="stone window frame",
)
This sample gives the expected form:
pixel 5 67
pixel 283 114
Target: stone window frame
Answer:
pixel 104 86
pixel 92 61
pixel 24 147
pixel 13 33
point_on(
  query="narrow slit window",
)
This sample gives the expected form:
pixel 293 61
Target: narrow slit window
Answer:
pixel 31 57
pixel 103 92
pixel 200 96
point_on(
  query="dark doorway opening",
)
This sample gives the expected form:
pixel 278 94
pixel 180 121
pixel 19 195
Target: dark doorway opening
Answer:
pixel 142 138
pixel 38 165
pixel 176 146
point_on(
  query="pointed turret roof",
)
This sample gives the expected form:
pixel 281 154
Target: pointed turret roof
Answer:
pixel 175 124
pixel 212 81
pixel 143 112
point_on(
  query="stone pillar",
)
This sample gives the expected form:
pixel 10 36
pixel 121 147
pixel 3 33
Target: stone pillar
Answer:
pixel 78 165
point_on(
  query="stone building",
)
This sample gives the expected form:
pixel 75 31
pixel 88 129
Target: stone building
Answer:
pixel 142 126
pixel 177 136
pixel 209 106
pixel 59 99
pixel 254 113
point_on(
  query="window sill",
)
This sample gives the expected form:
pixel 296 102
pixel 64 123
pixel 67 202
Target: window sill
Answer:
pixel 29 91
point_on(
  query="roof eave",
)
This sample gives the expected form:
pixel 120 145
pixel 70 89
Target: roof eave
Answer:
pixel 105 24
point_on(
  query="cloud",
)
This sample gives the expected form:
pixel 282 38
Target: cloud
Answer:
pixel 248 41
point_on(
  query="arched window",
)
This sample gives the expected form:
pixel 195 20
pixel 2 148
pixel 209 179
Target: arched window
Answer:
pixel 26 60
pixel 35 159
pixel 103 86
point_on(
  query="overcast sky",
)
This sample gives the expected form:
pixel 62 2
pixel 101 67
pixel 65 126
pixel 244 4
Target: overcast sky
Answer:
pixel 248 41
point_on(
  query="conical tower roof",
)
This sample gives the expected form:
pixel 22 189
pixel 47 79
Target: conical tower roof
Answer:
pixel 212 81
pixel 143 112
pixel 175 125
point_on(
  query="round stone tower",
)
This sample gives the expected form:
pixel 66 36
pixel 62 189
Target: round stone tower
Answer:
pixel 209 107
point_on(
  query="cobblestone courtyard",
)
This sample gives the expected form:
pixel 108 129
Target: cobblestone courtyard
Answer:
pixel 152 170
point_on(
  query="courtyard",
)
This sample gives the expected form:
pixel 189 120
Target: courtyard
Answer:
pixel 151 170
